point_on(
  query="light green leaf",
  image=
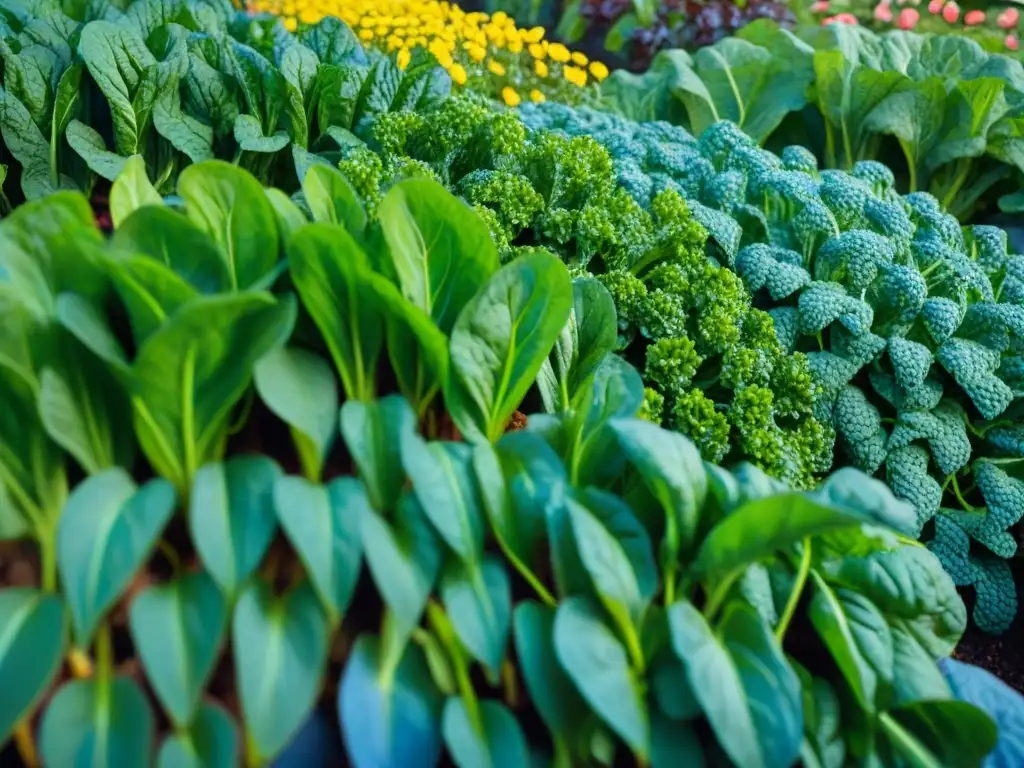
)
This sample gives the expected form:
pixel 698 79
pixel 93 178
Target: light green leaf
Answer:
pixel 178 628
pixel 500 744
pixel 102 726
pixel 209 742
pixel 280 650
pixel 32 635
pixel 290 217
pixel 500 340
pixel 324 524
pixel 132 190
pixel 374 434
pixel 232 519
pixel 478 600
pixel 89 145
pixel 107 529
pixel 249 135
pixel 331 199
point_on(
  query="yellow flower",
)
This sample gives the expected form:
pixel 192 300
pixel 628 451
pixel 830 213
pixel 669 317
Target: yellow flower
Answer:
pixel 291 24
pixel 458 73
pixel 496 68
pixel 366 34
pixel 579 59
pixel 536 50
pixel 540 68
pixel 575 75
pixel 515 45
pixel 476 52
pixel 534 35
pixel 598 70
pixel 510 96
pixel 558 52
pixel 403 58
pixel 537 97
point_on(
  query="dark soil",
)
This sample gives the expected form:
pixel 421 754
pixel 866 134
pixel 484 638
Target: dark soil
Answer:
pixel 1002 655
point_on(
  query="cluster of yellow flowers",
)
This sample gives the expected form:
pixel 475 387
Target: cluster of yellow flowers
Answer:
pixel 487 53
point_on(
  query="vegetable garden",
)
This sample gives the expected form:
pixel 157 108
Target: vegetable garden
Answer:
pixel 397 383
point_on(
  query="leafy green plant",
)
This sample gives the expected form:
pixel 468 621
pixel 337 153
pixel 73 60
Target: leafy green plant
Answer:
pixel 939 107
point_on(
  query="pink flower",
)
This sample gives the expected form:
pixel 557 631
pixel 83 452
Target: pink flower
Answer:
pixel 973 18
pixel 883 11
pixel 840 18
pixel 935 6
pixel 819 6
pixel 908 18
pixel 1008 18
pixel 951 13
pixel 1012 42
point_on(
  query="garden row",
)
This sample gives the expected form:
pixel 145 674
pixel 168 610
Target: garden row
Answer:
pixel 175 390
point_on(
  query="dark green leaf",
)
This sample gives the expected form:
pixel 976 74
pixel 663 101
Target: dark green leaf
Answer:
pixel 374 434
pixel 478 600
pixel 674 744
pixel 250 138
pixel 498 744
pixel 89 146
pixel 209 742
pixel 954 732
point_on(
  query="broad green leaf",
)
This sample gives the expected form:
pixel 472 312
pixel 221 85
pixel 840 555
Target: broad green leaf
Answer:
pixel 166 236
pixel 954 732
pixel 229 204
pixel 105 534
pixel 649 96
pixel 763 526
pixel 590 333
pixel 232 518
pixel 673 471
pixel 189 374
pixel 280 651
pixel 32 635
pixel 442 479
pixel 551 691
pixel 65 100
pixel 417 348
pixel 132 190
pixel 329 271
pixel 500 340
pixel 674 743
pixel 249 136
pixel 374 434
pixel 289 216
pixel 89 145
pixel 209 742
pixel 27 145
pixel 404 558
pixel 300 388
pixel 324 524
pixel 599 666
pixel 772 687
pixel 331 199
pixel 423 86
pixel 914 115
pixel 855 633
pixel 89 325
pixel 616 551
pixel 389 708
pixel 441 249
pixel 178 628
pixel 333 41
pixel 188 135
pixel 102 726
pixel 824 743
pixel 716 682
pixel 500 743
pixel 478 600
pixel 972 108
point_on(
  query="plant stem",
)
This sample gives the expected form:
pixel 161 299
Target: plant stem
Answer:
pixel 963 168
pixel 25 743
pixel 905 742
pixel 80 664
pixel 794 596
pixel 721 591
pixel 911 166
pixel 48 558
pixel 442 627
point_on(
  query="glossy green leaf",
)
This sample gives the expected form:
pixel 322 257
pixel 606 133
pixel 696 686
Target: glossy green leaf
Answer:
pixel 280 651
pixel 389 708
pixel 441 249
pixel 209 742
pixel 329 271
pixel 590 333
pixel 498 743
pixel 716 682
pixel 551 691
pixel 230 205
pixel 190 373
pixel 232 518
pixel 599 666
pixel 950 732
pixel 132 190
pixel 404 558
pixel 178 628
pixel 442 479
pixel 250 137
pixel 674 743
pixel 374 434
pixel 107 529
pixel 290 217
pixel 500 340
pixel 331 199
pixel 324 524
pixel 478 600
pixel 32 636
pixel 87 723
pixel 300 388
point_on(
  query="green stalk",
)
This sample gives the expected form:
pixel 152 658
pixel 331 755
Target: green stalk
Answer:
pixel 794 596
pixel 905 742
pixel 445 633
pixel 963 168
pixel 720 592
pixel 911 166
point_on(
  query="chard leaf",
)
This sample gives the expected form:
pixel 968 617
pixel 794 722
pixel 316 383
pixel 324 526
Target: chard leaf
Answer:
pixel 280 651
pixel 178 628
pixel 500 340
pixel 209 742
pixel 109 725
pixel 105 534
pixel 389 706
pixel 229 204
pixel 233 521
pixel 330 273
pixel 439 247
pixel 333 42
